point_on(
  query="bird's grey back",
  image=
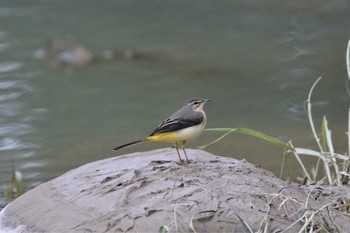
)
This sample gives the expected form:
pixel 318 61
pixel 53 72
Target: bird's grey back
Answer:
pixel 186 113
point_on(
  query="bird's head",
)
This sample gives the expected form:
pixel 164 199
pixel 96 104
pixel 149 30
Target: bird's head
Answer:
pixel 196 103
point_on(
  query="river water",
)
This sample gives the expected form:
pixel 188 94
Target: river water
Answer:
pixel 255 59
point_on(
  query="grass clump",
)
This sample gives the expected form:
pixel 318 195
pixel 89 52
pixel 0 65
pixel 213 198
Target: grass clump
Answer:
pixel 14 186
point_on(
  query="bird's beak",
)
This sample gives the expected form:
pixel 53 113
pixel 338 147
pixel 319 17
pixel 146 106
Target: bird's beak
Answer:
pixel 207 100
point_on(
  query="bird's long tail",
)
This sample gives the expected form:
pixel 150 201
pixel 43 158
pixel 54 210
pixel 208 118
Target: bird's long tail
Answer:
pixel 128 144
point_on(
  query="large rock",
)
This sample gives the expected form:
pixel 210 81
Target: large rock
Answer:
pixel 143 192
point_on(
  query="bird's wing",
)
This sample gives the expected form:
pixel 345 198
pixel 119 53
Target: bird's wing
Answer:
pixel 171 125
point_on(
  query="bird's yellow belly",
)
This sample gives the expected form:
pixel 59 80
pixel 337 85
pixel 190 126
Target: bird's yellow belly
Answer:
pixel 163 137
pixel 178 136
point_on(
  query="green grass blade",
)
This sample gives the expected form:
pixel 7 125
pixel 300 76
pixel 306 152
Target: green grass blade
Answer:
pixel 9 191
pixel 227 130
pixel 14 186
pixel 262 136
pixel 221 129
pixel 246 131
pixel 19 183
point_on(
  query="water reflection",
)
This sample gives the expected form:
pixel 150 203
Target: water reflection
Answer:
pixel 17 144
pixel 8 67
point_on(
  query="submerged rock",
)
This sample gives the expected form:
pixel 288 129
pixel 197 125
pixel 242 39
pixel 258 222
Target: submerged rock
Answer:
pixel 58 52
pixel 148 191
pixel 77 56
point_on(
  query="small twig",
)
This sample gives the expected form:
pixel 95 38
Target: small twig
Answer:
pixel 308 195
pixel 175 220
pixel 299 160
pixel 348 59
pixel 331 218
pixel 283 162
pixel 245 224
pixel 312 216
pixel 349 123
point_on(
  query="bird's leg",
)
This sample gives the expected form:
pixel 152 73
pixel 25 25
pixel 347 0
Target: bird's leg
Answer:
pixel 183 148
pixel 177 149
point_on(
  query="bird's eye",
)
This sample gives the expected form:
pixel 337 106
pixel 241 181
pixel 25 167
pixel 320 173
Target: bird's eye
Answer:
pixel 195 102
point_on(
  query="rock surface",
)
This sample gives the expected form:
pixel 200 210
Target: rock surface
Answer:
pixel 148 191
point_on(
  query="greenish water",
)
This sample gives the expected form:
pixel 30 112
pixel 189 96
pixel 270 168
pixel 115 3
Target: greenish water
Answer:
pixel 256 60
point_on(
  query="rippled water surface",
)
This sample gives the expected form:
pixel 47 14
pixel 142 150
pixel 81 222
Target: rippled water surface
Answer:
pixel 256 59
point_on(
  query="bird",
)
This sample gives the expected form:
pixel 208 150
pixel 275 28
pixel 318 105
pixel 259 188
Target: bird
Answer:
pixel 185 124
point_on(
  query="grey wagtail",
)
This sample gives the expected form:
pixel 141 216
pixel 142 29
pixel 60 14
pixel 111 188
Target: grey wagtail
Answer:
pixel 185 124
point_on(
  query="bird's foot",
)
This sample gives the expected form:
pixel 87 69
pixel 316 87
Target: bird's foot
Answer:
pixel 180 162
